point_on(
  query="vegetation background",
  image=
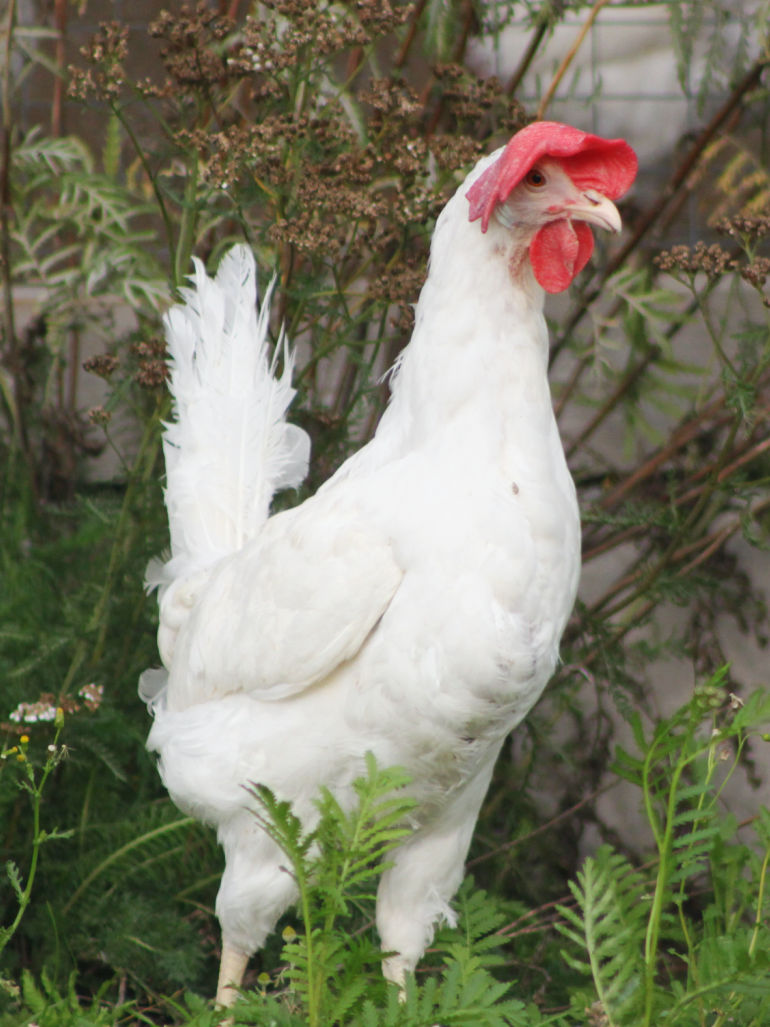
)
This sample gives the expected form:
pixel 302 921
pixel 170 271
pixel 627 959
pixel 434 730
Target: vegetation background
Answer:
pixel 329 136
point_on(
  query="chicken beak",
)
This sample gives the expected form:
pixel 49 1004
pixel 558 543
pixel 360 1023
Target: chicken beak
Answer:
pixel 597 209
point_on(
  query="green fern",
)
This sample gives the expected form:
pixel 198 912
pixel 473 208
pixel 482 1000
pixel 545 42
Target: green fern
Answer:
pixel 622 918
pixel 361 838
pixel 480 920
pixel 335 865
pixel 49 1006
pixel 457 999
pixel 334 972
pixel 609 927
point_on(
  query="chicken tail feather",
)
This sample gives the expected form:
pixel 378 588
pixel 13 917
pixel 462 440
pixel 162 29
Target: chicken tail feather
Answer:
pixel 228 446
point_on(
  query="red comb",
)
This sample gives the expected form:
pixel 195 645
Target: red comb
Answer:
pixel 607 165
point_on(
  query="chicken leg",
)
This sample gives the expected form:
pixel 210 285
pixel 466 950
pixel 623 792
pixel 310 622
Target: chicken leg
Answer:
pixel 232 967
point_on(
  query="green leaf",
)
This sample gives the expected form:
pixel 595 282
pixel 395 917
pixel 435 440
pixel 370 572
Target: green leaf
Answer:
pixel 14 876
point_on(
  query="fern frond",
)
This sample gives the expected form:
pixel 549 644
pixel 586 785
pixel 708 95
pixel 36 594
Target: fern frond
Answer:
pixel 160 824
pixel 480 919
pixel 280 823
pixel 609 927
pixel 54 154
pixel 362 836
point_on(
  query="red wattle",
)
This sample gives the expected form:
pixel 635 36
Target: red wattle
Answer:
pixel 559 251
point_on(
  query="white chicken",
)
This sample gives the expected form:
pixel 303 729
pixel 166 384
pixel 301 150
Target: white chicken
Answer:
pixel 413 607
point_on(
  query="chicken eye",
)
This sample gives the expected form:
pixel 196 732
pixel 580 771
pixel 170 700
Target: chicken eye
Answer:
pixel 535 178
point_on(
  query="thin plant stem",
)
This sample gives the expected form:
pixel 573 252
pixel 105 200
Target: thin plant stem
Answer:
pixel 35 790
pixel 117 110
pixel 406 46
pixel 11 358
pixel 528 56
pixel 569 58
pixel 759 917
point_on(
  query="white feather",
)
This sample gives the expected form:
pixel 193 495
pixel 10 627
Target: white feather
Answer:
pixel 228 447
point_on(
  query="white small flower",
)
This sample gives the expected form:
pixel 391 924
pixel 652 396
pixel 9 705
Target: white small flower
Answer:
pixel 92 694
pixel 32 712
